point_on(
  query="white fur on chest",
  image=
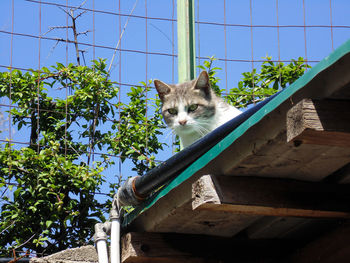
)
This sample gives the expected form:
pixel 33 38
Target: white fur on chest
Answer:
pixel 224 113
pixel 195 131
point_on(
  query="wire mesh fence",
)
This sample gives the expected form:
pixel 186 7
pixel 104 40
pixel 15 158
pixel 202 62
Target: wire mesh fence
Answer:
pixel 138 40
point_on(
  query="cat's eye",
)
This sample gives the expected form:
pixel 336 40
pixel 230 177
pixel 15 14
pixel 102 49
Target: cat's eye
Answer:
pixel 193 107
pixel 172 111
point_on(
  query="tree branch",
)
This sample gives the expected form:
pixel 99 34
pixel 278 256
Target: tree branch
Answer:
pixel 65 11
pixel 148 159
pixel 83 3
pixel 56 27
pixel 121 35
pixel 81 13
pixel 84 33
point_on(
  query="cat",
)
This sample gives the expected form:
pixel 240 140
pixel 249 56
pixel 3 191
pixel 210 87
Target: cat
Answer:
pixel 192 109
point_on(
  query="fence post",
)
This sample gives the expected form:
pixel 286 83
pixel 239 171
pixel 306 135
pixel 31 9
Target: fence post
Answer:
pixel 186 40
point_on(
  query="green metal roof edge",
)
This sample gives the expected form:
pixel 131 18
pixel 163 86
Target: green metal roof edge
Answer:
pixel 239 131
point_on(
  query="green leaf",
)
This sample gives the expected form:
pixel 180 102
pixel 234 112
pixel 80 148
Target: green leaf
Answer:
pixel 48 223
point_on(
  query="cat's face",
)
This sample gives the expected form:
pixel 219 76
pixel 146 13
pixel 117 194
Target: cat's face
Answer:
pixel 187 107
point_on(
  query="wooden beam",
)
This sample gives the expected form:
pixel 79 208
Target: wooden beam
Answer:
pixel 151 247
pixel 321 122
pixel 176 248
pixel 271 197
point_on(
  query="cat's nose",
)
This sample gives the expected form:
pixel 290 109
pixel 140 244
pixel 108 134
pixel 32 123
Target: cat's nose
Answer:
pixel 183 122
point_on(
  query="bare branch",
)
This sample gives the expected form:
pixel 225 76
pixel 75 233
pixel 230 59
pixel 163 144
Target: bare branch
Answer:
pixel 83 3
pixel 92 139
pixel 141 154
pixel 84 33
pixel 82 54
pixel 81 13
pixel 13 222
pixel 3 193
pixel 60 27
pixel 121 35
pixel 53 48
pixel 15 259
pixel 74 28
pixel 72 147
pixel 64 40
pixel 65 11
pixel 84 50
pixel 162 33
pixel 70 13
pixel 28 240
pixel 56 27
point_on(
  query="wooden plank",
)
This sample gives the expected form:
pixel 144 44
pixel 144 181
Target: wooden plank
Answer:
pixel 342 175
pixel 220 223
pixel 174 248
pixel 279 227
pixel 151 247
pixel 272 211
pixel 174 213
pixel 308 136
pixel 271 197
pixel 320 122
pixel 305 162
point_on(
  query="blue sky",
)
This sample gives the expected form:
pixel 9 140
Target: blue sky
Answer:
pixel 31 20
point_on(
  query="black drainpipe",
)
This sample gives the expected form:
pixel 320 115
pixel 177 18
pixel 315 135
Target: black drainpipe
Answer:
pixel 138 188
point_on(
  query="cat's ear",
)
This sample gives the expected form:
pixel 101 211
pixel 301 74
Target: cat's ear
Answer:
pixel 162 88
pixel 203 82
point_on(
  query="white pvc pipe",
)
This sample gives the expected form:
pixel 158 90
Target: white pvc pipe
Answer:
pixel 102 251
pixel 115 241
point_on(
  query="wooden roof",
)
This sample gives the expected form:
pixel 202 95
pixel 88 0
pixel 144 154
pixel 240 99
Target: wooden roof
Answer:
pixel 281 175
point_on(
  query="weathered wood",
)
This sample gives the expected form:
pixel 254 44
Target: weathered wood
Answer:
pixel 340 176
pixel 333 247
pixel 150 247
pixel 320 122
pixel 264 151
pixel 279 159
pixel 278 227
pixel 220 223
pixel 165 247
pixel 225 206
pixel 271 156
pixel 175 214
pixel 272 211
pixel 271 197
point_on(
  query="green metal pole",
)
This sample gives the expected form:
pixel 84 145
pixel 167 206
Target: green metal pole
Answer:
pixel 186 40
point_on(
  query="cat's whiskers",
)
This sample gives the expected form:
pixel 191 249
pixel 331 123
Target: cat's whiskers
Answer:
pixel 203 125
pixel 200 129
pixel 168 133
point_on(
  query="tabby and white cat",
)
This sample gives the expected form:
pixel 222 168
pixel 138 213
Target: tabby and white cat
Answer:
pixel 191 109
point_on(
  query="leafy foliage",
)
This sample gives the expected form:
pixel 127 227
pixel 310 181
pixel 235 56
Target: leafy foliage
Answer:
pixel 212 71
pixel 48 188
pixel 256 86
pixel 53 203
pixel 137 136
